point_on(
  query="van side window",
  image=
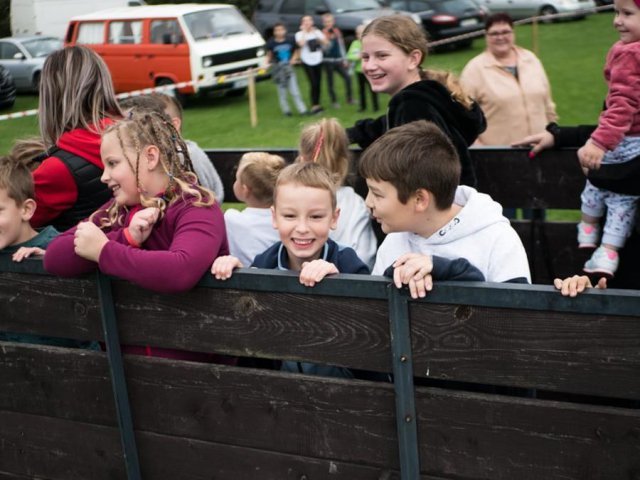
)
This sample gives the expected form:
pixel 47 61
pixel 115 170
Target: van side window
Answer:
pixel 91 33
pixel 127 32
pixel 166 32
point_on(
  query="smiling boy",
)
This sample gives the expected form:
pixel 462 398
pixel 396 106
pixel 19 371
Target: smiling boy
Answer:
pixel 412 173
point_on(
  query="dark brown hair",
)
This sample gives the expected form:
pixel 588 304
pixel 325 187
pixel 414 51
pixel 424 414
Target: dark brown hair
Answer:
pixel 498 18
pixel 414 156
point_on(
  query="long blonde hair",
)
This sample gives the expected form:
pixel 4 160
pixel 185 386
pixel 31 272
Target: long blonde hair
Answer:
pixel 144 128
pixel 76 91
pixel 326 142
pixel 407 35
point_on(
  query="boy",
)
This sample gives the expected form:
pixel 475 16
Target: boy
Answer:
pixel 412 172
pixel 282 53
pixel 17 206
pixel 335 58
pixel 304 211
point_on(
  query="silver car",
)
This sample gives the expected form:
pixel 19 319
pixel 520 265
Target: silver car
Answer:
pixel 24 57
pixel 518 9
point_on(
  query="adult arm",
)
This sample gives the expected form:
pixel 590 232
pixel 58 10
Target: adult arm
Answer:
pixel 55 190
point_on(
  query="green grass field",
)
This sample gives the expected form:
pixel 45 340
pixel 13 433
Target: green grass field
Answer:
pixel 573 54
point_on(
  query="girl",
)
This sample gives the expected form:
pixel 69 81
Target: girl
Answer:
pixel 77 102
pixel 615 140
pixel 326 143
pixel 311 42
pixel 161 230
pixel 393 49
pixel 251 231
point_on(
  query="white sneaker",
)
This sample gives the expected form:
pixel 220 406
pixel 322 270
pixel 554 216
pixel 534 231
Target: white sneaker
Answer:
pixel 604 261
pixel 588 235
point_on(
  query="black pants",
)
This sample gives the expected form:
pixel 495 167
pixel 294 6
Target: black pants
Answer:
pixel 363 88
pixel 314 74
pixel 339 68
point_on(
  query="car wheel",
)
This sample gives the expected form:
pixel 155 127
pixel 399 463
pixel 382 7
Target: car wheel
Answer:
pixel 181 97
pixel 545 12
pixel 36 82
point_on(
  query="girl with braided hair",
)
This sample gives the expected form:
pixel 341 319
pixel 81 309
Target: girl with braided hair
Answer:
pixel 161 230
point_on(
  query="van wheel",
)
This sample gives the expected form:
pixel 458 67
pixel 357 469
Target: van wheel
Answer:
pixel 36 82
pixel 238 92
pixel 181 97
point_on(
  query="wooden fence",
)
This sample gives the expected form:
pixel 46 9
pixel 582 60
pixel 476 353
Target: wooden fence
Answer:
pixel 476 351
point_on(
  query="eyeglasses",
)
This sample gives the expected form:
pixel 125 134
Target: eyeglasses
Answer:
pixel 499 33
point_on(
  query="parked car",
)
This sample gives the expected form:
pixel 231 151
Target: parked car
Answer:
pixel 348 14
pixel 24 58
pixel 7 89
pixel 530 8
pixel 445 18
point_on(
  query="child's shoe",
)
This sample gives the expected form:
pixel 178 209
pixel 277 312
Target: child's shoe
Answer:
pixel 603 261
pixel 588 235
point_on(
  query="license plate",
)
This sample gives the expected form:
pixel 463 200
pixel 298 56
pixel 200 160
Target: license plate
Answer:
pixel 468 22
pixel 241 83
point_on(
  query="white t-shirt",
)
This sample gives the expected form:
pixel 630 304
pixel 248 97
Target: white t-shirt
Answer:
pixel 312 39
pixel 249 232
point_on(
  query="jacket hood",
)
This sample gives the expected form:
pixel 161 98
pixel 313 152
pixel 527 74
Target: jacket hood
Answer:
pixel 469 122
pixel 480 212
pixel 84 143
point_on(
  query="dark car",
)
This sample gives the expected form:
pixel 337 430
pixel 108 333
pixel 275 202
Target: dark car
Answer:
pixel 348 14
pixel 7 89
pixel 446 18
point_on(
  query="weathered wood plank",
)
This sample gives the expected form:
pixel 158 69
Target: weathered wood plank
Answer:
pixel 586 354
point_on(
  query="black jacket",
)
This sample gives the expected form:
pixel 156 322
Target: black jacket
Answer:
pixel 432 101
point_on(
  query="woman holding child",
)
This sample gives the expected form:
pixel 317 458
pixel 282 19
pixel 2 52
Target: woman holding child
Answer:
pixel 393 50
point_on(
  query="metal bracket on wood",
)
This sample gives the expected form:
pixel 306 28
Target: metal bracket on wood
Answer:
pixel 402 359
pixel 118 381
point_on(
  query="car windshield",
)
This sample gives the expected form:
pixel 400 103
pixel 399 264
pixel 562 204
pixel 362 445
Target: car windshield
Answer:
pixel 41 47
pixel 216 23
pixel 343 6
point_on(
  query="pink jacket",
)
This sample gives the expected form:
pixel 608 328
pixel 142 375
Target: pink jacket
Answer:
pixel 622 115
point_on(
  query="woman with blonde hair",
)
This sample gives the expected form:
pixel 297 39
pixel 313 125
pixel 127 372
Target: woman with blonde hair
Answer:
pixel 77 101
pixel 393 50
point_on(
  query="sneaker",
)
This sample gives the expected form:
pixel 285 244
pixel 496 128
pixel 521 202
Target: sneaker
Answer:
pixel 588 235
pixel 603 261
pixel 287 114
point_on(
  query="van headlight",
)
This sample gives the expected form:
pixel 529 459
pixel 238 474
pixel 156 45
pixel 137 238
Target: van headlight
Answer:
pixel 207 62
pixel 260 52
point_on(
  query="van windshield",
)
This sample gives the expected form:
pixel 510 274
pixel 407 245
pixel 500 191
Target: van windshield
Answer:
pixel 216 23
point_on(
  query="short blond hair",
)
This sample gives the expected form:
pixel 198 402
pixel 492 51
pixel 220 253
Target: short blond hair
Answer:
pixel 259 171
pixel 311 175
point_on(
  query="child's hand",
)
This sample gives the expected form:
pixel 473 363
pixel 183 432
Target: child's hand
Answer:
pixel 142 223
pixel 222 267
pixel 26 252
pixel 572 286
pixel 414 270
pixel 89 241
pixel 590 156
pixel 314 271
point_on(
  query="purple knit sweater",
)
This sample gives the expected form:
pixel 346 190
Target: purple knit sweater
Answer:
pixel 179 250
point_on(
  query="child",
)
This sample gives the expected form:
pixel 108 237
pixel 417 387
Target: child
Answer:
pixel 17 206
pixel 304 211
pixel 326 143
pixel 335 58
pixel 161 230
pixel 282 53
pixel 354 56
pixel 616 140
pixel 311 42
pixel 251 231
pixel 412 173
pixel 202 164
pixel 393 49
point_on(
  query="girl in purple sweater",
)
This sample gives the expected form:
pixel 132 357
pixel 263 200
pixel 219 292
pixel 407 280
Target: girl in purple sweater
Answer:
pixel 161 230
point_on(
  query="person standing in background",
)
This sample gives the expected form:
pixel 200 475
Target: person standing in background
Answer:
pixel 311 41
pixel 335 60
pixel 354 56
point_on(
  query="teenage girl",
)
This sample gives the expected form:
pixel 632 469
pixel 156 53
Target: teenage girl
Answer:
pixel 393 49
pixel 161 230
pixel 325 142
pixel 251 231
pixel 76 103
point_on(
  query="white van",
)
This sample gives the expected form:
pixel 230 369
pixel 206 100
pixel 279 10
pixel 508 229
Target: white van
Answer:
pixel 212 45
